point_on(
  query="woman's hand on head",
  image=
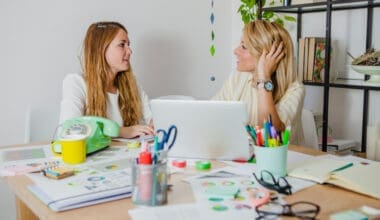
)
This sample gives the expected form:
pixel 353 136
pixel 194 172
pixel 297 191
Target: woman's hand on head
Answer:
pixel 268 61
pixel 136 131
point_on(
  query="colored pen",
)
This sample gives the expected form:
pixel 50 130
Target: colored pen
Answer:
pixel 343 167
pixel 236 195
pixel 285 136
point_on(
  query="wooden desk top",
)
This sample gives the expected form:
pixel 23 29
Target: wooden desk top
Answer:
pixel 330 198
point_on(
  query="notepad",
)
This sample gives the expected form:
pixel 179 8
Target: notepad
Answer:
pixel 359 177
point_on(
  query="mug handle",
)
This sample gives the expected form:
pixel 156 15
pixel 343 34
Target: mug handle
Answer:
pixel 56 147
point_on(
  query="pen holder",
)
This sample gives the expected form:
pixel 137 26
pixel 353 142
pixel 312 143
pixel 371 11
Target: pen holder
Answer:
pixel 272 159
pixel 149 182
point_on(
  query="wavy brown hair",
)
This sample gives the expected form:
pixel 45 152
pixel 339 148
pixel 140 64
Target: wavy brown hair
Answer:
pixel 96 69
pixel 259 35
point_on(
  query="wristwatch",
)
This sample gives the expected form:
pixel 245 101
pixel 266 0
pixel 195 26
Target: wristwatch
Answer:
pixel 266 84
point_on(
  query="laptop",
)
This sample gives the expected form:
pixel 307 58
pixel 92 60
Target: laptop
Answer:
pixel 206 129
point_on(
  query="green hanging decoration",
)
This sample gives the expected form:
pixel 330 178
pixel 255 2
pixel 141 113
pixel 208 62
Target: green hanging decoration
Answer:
pixel 212 19
pixel 212 50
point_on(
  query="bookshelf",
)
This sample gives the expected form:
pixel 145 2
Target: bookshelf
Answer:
pixel 328 7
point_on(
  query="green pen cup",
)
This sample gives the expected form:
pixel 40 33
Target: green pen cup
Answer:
pixel 272 159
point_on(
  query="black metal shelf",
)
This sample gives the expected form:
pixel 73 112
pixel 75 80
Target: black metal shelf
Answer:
pixel 322 6
pixel 347 84
pixel 328 7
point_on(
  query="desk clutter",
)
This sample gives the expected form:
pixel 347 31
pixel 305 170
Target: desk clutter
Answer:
pixel 142 172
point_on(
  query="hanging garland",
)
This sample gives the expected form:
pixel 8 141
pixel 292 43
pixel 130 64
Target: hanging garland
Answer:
pixel 212 19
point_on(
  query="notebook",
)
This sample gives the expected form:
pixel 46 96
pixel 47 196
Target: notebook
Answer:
pixel 206 129
pixel 361 177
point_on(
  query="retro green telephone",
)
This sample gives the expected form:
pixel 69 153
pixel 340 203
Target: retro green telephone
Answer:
pixel 98 132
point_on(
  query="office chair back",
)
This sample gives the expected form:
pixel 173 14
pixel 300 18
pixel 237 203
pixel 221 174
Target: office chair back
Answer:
pixel 309 129
pixel 41 122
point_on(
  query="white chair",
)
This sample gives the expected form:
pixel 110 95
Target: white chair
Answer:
pixel 309 129
pixel 41 122
pixel 176 97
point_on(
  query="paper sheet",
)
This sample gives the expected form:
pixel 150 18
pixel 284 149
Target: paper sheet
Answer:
pixel 139 139
pixel 188 212
pixel 21 160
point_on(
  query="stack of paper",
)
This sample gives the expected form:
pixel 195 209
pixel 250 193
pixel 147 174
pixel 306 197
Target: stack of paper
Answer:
pixel 83 190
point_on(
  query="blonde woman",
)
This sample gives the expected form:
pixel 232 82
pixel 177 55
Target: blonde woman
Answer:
pixel 107 87
pixel 266 78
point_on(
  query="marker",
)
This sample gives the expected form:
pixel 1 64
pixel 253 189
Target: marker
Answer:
pixel 285 136
pixel 236 195
pixel 145 173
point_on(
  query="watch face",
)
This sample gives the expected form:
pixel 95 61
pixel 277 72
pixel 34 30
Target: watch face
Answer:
pixel 268 86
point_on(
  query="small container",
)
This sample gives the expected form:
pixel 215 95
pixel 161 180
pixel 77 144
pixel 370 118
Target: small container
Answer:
pixel 272 159
pixel 149 182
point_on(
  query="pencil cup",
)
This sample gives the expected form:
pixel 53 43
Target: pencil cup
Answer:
pixel 272 159
pixel 149 182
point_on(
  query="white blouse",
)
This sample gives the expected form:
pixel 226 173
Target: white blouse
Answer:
pixel 74 100
pixel 238 87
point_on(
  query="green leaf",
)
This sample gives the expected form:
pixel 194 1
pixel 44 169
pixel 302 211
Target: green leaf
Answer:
pixel 290 18
pixel 279 21
pixel 251 3
pixel 245 18
pixel 268 14
pixel 240 8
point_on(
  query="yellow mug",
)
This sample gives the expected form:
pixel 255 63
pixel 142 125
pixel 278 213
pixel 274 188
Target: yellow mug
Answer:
pixel 73 149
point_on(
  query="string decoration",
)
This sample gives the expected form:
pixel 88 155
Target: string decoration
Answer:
pixel 212 19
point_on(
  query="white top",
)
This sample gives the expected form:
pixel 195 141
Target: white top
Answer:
pixel 74 100
pixel 238 87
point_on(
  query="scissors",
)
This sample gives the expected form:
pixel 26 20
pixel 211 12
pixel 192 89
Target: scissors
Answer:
pixel 171 134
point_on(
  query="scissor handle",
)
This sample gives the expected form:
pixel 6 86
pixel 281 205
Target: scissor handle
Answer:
pixel 175 130
pixel 163 139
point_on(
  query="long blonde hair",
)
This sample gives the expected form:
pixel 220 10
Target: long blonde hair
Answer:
pixel 259 35
pixel 95 68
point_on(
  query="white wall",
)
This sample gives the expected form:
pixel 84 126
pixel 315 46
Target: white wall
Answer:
pixel 41 41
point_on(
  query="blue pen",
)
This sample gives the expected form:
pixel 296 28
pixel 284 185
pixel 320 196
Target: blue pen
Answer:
pixel 266 133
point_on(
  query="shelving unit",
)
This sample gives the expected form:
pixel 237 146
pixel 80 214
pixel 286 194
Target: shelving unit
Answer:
pixel 328 6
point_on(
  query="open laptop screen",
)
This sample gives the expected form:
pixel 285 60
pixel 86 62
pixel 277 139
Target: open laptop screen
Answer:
pixel 206 129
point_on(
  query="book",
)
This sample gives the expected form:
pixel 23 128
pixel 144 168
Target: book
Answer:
pixel 305 59
pixel 315 58
pixel 301 54
pixel 353 175
pixel 319 65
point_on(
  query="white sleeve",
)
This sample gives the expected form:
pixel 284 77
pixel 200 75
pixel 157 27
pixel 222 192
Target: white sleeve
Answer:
pixel 291 104
pixel 73 97
pixel 147 113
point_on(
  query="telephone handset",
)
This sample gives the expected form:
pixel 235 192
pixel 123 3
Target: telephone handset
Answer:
pixel 98 132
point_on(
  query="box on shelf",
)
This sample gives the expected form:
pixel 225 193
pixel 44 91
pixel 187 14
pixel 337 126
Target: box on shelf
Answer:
pixel 341 146
pixel 299 2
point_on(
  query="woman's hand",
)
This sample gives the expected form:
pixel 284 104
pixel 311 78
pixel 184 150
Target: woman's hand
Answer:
pixel 136 131
pixel 268 62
